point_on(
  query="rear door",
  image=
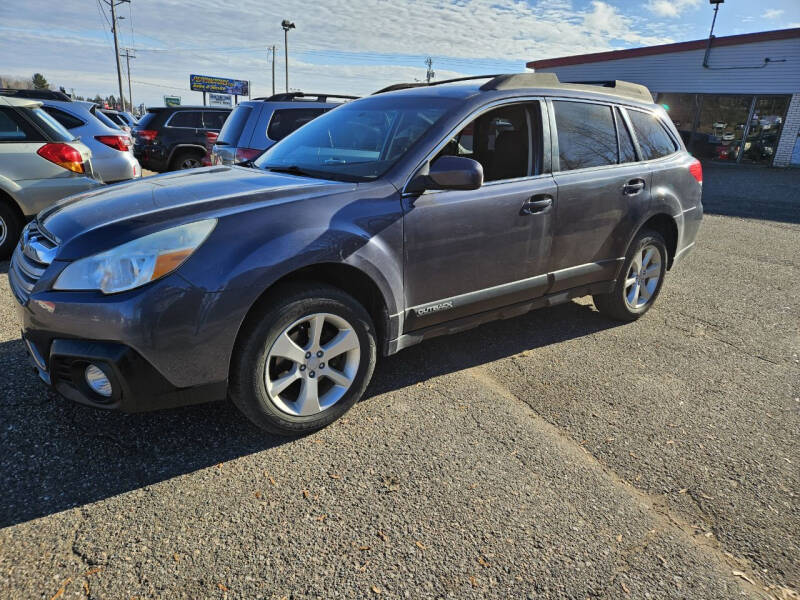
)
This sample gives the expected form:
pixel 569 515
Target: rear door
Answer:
pixel 471 251
pixel 602 187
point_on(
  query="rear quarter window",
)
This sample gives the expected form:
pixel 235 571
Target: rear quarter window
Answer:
pixel 654 141
pixel 587 135
pixel 285 121
pixel 214 119
pixel 67 120
pixel 188 118
pixel 14 129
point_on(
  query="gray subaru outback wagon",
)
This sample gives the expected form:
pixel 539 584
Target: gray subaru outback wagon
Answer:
pixel 384 222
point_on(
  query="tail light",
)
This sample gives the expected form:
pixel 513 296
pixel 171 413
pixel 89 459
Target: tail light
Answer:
pixel 211 137
pixel 147 135
pixel 696 169
pixel 118 142
pixel 63 155
pixel 243 154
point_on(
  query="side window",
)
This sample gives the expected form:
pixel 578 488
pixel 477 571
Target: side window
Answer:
pixel 187 118
pixel 285 121
pixel 66 119
pixel 654 141
pixel 501 141
pixel 13 129
pixel 627 153
pixel 214 119
pixel 586 135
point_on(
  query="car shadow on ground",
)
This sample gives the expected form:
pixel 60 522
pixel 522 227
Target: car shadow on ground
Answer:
pixel 55 455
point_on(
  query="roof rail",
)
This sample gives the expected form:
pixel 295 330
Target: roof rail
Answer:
pixel 524 80
pixel 306 97
pixel 404 86
pixel 36 94
pixel 513 81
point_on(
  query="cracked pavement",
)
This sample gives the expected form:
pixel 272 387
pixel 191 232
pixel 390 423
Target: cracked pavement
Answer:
pixel 557 454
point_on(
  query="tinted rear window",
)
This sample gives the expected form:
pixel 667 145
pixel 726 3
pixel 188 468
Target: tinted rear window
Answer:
pixel 586 135
pixel 187 118
pixel 104 119
pixel 234 125
pixel 285 121
pixel 145 120
pixel 654 141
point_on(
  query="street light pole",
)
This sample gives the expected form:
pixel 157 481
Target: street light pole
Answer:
pixel 287 25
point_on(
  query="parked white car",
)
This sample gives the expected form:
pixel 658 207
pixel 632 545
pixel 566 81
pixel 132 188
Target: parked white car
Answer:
pixel 112 154
pixel 40 163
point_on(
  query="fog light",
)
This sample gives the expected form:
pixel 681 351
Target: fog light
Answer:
pixel 98 381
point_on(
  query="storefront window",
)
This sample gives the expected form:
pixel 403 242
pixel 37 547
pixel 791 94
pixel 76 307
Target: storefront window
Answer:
pixel 765 129
pixel 713 126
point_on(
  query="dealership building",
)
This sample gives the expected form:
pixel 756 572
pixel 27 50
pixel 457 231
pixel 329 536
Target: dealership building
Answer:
pixel 737 100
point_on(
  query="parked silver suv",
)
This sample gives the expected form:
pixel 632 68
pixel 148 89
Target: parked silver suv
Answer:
pixel 40 162
pixel 258 124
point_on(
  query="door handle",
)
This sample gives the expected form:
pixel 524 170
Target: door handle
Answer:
pixel 633 187
pixel 536 204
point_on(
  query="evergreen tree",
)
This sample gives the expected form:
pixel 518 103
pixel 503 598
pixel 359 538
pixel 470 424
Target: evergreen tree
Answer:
pixel 39 82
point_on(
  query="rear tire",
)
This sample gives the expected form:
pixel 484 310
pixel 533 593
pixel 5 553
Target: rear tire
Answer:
pixel 186 159
pixel 10 229
pixel 280 375
pixel 639 281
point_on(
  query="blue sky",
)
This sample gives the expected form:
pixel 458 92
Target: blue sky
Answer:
pixel 345 46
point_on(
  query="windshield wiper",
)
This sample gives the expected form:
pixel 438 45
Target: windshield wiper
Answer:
pixel 292 170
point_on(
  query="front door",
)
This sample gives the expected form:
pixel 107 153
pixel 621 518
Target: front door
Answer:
pixel 471 251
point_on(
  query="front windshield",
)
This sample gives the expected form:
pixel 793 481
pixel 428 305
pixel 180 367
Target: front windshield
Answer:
pixel 359 141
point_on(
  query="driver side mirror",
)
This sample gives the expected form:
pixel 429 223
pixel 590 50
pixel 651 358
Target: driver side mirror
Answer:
pixel 448 173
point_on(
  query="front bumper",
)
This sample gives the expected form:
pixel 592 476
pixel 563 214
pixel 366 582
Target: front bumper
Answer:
pixel 136 384
pixel 166 344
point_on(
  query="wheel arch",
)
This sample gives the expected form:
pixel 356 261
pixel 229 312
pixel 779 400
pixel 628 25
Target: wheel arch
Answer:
pixel 348 278
pixel 8 199
pixel 665 225
pixel 182 147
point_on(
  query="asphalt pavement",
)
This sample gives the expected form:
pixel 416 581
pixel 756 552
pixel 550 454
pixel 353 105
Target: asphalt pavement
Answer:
pixel 555 455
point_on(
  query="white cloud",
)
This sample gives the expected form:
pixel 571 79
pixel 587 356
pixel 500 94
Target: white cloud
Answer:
pixel 338 46
pixel 772 13
pixel 671 8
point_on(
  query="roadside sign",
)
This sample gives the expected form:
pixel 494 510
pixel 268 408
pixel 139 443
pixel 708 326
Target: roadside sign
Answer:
pixel 219 100
pixel 219 85
pixel 172 100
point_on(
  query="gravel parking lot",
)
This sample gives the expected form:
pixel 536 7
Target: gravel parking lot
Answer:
pixel 559 454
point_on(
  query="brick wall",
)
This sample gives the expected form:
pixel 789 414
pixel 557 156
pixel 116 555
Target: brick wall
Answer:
pixel 791 128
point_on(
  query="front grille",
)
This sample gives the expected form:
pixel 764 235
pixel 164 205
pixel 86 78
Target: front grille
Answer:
pixel 32 255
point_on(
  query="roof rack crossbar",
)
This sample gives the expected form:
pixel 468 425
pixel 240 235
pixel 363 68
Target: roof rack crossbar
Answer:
pixel 291 96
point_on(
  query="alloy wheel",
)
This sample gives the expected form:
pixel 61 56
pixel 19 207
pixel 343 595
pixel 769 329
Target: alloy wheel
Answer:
pixel 190 163
pixel 3 231
pixel 643 276
pixel 312 364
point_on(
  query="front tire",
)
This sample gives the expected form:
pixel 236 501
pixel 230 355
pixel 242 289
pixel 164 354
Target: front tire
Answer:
pixel 10 229
pixel 640 280
pixel 304 358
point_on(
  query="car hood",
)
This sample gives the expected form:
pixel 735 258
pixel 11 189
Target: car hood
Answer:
pixel 103 218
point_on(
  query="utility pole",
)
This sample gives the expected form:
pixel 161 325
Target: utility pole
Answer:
pixel 287 25
pixel 113 4
pixel 430 74
pixel 128 56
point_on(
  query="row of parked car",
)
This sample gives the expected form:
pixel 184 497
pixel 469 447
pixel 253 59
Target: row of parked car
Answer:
pixel 52 147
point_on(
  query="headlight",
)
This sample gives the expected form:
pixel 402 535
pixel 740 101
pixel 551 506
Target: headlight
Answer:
pixel 138 262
